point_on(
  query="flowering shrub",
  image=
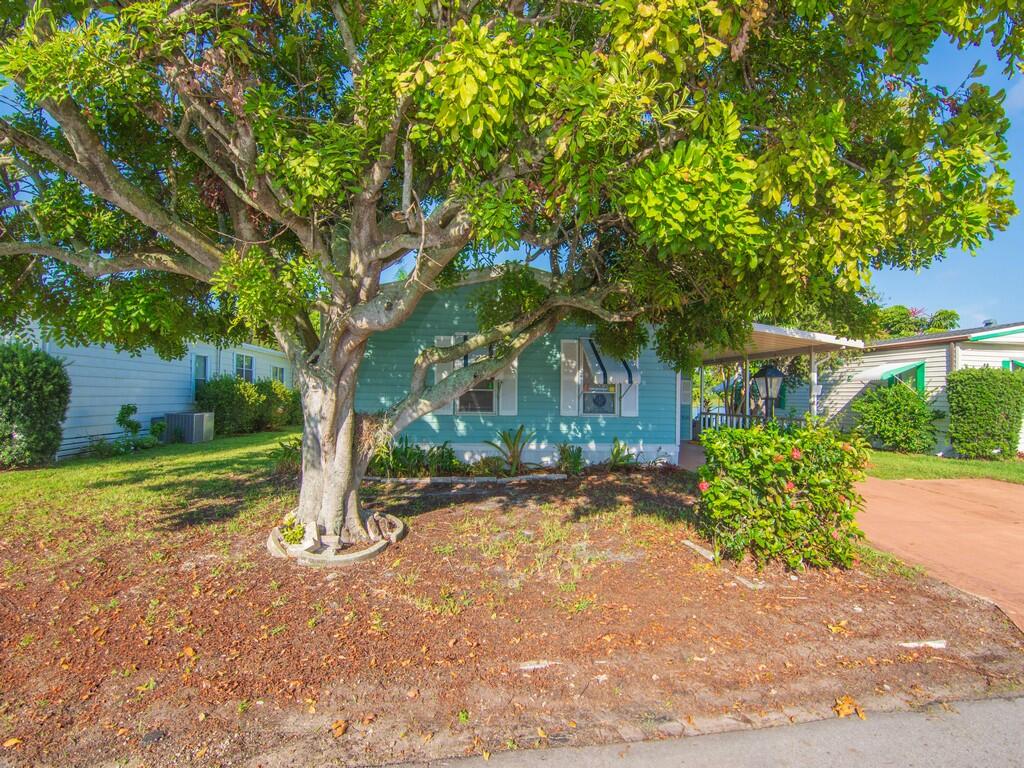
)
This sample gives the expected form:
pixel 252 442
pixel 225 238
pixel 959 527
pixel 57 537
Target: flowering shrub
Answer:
pixel 782 493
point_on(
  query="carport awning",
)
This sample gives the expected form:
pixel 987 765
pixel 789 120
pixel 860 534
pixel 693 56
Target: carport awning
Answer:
pixel 770 341
pixel 886 371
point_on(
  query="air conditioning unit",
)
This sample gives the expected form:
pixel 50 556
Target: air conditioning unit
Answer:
pixel 189 427
pixel 599 402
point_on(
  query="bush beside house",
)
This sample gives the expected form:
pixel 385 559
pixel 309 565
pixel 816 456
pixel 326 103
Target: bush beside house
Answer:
pixel 896 418
pixel 786 494
pixel 240 407
pixel 986 408
pixel 34 395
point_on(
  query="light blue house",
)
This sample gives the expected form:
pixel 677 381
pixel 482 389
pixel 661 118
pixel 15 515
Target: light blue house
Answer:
pixel 561 388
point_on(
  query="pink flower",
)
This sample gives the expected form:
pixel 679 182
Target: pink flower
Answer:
pixel 790 486
pixel 796 453
pixel 703 485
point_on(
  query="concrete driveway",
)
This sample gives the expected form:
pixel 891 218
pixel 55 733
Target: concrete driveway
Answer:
pixel 969 533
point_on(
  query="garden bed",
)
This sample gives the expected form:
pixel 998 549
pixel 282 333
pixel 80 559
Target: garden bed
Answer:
pixel 144 620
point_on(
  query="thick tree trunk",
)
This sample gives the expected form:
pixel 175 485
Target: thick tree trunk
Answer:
pixel 332 463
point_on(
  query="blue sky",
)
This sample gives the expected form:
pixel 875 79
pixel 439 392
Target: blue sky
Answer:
pixel 989 285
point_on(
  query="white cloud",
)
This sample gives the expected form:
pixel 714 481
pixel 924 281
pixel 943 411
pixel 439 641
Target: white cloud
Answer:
pixel 1015 97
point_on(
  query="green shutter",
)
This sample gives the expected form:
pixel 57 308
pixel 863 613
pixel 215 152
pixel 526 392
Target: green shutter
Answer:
pixel 919 379
pixel 782 396
pixel 1008 365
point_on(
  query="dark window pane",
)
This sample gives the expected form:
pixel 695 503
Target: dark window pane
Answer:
pixel 477 401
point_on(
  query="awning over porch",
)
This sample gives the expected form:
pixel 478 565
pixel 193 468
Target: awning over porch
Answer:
pixel 769 341
pixel 886 372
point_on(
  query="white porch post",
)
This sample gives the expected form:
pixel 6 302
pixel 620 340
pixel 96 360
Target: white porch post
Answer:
pixel 814 383
pixel 746 392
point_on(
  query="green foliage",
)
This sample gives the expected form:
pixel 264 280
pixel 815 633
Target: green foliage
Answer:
pixel 34 394
pixel 293 530
pixel 286 458
pixel 782 494
pixel 620 457
pixel 236 404
pixel 488 466
pixel 986 407
pixel 403 458
pixel 896 418
pixel 570 459
pixel 898 320
pixel 158 429
pixel 125 421
pixel 511 446
pixel 277 407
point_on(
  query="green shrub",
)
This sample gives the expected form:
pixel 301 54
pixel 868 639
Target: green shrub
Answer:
pixel 782 494
pixel 896 418
pixel 511 446
pixel 34 394
pixel 236 404
pixel 158 429
pixel 402 458
pixel 275 410
pixel 440 461
pixel 293 530
pixel 125 421
pixel 986 406
pixel 620 456
pixel 570 459
pixel 488 466
pixel 287 457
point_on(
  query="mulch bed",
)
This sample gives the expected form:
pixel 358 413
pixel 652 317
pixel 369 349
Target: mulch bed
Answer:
pixel 512 619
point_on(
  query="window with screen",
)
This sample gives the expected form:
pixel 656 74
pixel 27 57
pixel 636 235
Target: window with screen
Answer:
pixel 597 399
pixel 244 367
pixel 481 397
pixel 200 373
pixel 277 373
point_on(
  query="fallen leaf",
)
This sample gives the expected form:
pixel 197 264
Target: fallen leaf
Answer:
pixel 571 723
pixel 846 706
pixel 189 651
pixel 338 728
pixel 412 693
pixel 836 628
pixel 369 718
pixel 12 742
pixel 486 755
pixel 427 737
pixel 541 733
pixel 200 753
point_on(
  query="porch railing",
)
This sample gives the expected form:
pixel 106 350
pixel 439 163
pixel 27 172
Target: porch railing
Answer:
pixel 711 420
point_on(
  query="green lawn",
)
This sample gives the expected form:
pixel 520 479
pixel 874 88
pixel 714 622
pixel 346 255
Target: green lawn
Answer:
pixel 82 504
pixel 898 466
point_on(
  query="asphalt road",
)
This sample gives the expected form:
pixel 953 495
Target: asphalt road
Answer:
pixel 964 734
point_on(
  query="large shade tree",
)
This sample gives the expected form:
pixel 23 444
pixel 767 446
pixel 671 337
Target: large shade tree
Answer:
pixel 206 170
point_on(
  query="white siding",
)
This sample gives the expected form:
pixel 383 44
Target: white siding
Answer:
pixel 102 380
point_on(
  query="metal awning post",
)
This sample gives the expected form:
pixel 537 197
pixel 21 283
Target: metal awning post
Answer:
pixel 814 383
pixel 746 391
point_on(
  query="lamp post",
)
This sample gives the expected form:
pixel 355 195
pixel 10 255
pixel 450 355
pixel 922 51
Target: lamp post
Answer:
pixel 769 384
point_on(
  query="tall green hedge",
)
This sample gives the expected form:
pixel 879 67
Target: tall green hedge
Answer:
pixel 34 394
pixel 986 407
pixel 896 418
pixel 241 407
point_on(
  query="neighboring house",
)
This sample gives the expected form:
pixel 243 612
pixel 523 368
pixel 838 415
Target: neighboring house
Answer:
pixel 102 380
pixel 561 388
pixel 921 362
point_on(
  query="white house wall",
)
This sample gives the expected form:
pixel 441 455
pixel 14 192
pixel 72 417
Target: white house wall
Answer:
pixel 102 380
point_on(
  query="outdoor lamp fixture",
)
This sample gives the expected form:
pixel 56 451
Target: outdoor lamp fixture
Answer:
pixel 769 384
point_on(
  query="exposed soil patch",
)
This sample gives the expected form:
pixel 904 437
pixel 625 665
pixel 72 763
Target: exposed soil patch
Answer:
pixel 527 616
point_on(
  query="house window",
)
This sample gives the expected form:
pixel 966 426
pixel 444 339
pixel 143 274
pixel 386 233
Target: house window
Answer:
pixel 598 395
pixel 277 373
pixel 200 368
pixel 912 375
pixel 1013 365
pixel 479 399
pixel 244 367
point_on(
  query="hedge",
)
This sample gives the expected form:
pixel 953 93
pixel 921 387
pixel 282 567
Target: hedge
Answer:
pixel 34 394
pixel 896 418
pixel 986 408
pixel 240 407
pixel 787 494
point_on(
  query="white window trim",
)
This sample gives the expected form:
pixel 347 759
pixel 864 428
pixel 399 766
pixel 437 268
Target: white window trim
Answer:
pixel 251 367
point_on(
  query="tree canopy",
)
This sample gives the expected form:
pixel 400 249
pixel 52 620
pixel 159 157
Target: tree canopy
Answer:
pixel 202 169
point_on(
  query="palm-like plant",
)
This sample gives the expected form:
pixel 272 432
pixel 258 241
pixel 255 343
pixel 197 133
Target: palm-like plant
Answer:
pixel 510 446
